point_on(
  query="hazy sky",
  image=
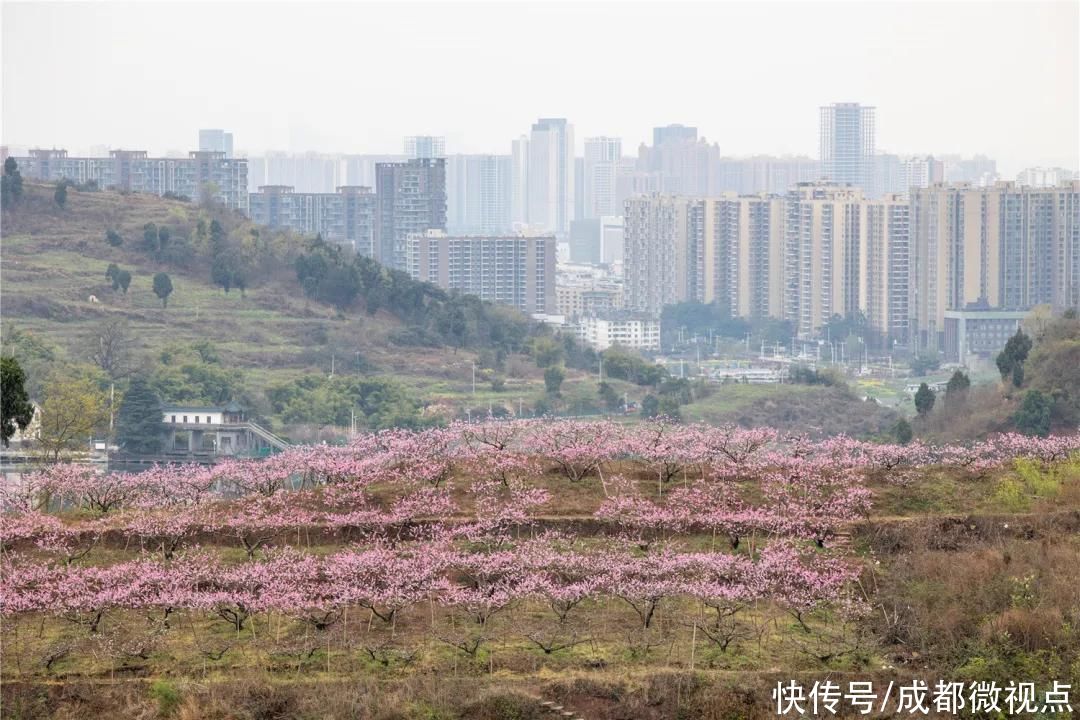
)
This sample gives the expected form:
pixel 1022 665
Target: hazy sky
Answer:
pixel 964 77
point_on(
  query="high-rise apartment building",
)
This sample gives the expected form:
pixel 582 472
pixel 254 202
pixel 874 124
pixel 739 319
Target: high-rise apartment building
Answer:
pixel 603 156
pixel 823 254
pixel 663 252
pixel 134 171
pixel 216 141
pixel 346 217
pixel 744 255
pixel 515 270
pixel 551 173
pixel 726 250
pixel 410 198
pixel 478 194
pixel 847 144
pixel 1003 247
pixel 425 146
pixel 886 271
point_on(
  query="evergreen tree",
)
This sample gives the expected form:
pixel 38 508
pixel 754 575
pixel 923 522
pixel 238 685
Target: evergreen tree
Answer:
pixel 163 288
pixel 1033 415
pixel 956 389
pixel 113 238
pixel 924 400
pixel 12 185
pixel 139 421
pixel 15 407
pixel 1010 360
pixel 60 196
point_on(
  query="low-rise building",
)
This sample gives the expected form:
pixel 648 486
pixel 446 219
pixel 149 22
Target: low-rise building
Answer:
pixel 203 433
pixel 978 333
pixel 629 330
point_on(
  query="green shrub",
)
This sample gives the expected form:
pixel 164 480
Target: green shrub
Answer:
pixel 167 696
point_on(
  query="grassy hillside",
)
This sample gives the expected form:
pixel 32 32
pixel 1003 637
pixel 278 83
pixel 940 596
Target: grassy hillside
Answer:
pixel 55 287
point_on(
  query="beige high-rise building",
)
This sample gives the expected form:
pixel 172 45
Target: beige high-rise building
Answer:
pixel 887 268
pixel 744 255
pixel 824 255
pixel 1004 246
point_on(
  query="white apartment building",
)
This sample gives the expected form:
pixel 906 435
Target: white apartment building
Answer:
pixel 628 331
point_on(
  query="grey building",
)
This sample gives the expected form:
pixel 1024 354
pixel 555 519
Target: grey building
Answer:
pixel 847 144
pixel 346 217
pixel 410 198
pixel 978 332
pixel 515 270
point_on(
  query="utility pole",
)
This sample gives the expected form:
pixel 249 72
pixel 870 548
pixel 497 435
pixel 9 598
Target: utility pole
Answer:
pixel 112 401
pixel 332 359
pixel 357 362
pixel 600 371
pixel 519 407
pixel 474 377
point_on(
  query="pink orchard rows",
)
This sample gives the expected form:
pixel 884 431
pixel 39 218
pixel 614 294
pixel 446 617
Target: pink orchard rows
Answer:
pixel 386 580
pixel 808 487
pixel 394 490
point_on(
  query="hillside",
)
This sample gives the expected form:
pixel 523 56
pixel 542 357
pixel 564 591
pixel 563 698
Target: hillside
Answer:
pixel 55 288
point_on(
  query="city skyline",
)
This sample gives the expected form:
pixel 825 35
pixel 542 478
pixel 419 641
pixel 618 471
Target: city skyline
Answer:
pixel 1029 48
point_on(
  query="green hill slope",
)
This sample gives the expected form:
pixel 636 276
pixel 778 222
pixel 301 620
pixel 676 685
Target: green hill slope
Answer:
pixel 54 286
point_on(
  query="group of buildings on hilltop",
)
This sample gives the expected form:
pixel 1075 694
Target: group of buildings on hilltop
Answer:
pixel 902 240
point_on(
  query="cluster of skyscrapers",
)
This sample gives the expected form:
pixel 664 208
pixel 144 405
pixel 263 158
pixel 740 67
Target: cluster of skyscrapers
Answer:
pixel 901 240
pixel 823 250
